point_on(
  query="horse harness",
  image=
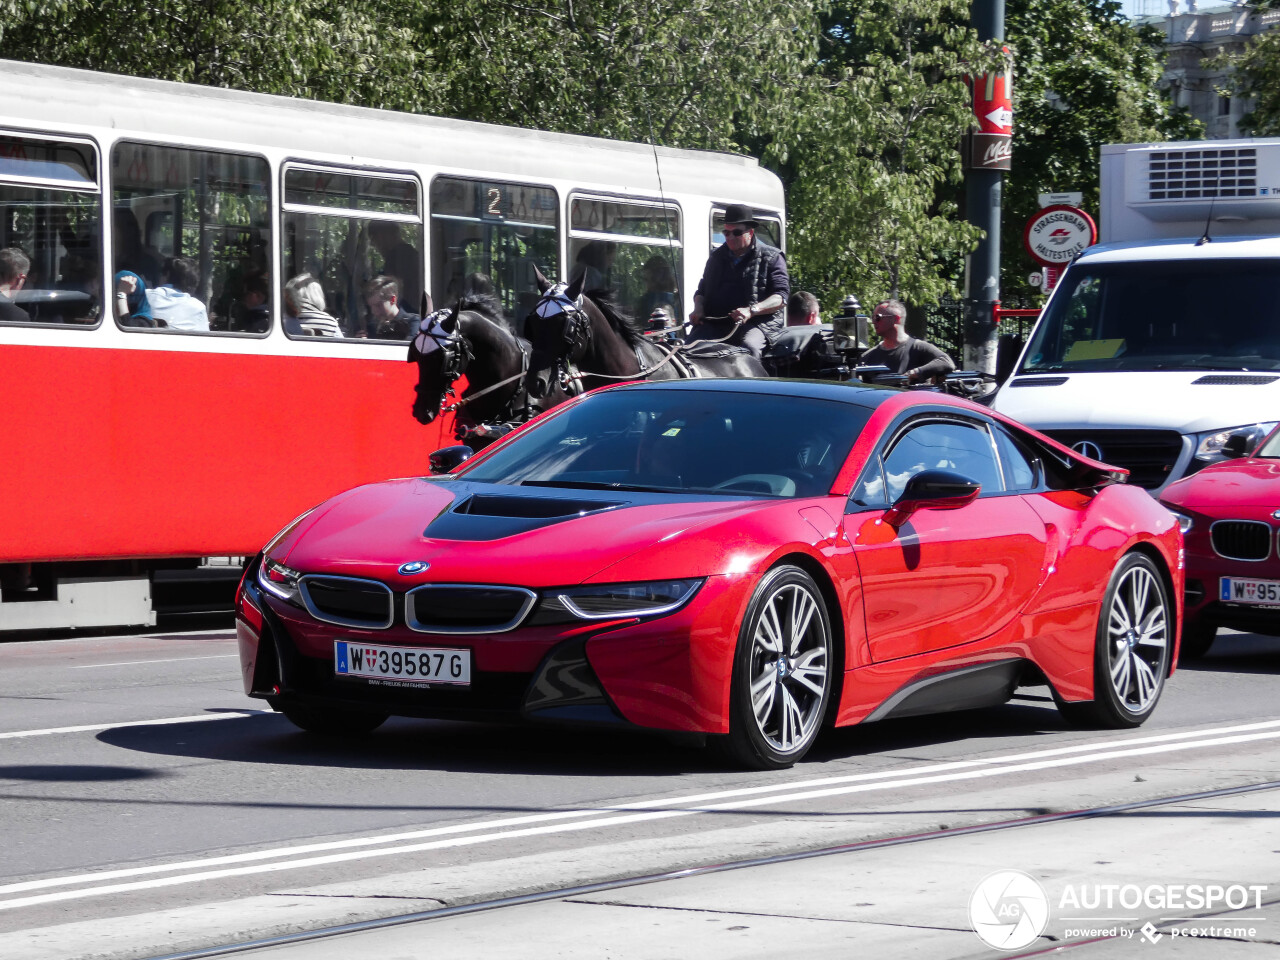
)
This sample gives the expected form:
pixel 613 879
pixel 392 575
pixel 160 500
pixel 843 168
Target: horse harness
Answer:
pixel 456 355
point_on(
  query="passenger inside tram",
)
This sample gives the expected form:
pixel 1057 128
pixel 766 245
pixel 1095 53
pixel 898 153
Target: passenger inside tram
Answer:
pixel 304 309
pixel 174 301
pixel 14 265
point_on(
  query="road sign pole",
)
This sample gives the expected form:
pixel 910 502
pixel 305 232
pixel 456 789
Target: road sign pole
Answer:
pixel 988 156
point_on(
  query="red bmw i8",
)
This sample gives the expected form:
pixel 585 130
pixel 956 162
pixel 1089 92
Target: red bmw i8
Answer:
pixel 744 559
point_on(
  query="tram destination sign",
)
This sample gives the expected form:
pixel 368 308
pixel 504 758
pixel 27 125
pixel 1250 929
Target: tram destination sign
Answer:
pixel 1058 234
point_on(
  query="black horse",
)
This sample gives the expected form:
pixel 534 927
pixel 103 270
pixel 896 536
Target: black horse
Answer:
pixel 472 338
pixel 585 340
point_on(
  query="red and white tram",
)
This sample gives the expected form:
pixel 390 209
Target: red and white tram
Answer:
pixel 148 428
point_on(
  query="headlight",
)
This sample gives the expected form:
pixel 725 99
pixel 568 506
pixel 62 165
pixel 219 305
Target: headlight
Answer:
pixel 1209 445
pixel 607 601
pixel 279 580
pixel 1184 522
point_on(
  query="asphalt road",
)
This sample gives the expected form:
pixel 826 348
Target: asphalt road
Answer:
pixel 149 807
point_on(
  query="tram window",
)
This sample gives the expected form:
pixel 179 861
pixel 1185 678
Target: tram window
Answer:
pixel 632 249
pixel 50 218
pixel 489 234
pixel 191 239
pixel 768 228
pixel 352 242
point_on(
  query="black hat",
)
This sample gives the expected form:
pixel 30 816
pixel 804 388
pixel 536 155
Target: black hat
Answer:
pixel 738 213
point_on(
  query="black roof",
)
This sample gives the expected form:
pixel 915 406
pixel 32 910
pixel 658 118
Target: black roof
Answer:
pixel 850 391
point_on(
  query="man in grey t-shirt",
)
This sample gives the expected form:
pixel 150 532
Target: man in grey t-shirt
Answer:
pixel 919 360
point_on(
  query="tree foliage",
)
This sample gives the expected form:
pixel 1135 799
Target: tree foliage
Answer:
pixel 1084 76
pixel 1255 75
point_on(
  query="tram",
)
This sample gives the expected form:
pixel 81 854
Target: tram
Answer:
pixel 165 252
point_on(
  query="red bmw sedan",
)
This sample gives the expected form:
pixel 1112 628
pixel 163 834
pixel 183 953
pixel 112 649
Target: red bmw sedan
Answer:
pixel 1230 516
pixel 750 560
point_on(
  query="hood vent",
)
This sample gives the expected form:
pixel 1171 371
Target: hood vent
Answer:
pixel 1038 382
pixel 1235 380
pixel 541 508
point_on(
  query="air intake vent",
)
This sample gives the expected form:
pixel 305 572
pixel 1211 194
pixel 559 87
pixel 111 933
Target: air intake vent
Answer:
pixel 488 505
pixel 1202 174
pixel 1148 455
pixel 1235 380
pixel 348 601
pixel 1038 382
pixel 467 608
pixel 1241 539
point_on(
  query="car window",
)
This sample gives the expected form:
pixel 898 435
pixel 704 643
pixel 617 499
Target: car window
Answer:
pixel 943 445
pixel 869 491
pixel 1021 471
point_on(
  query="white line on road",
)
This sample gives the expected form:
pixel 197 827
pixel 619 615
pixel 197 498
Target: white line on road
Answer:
pixel 132 663
pixel 236 714
pixel 623 814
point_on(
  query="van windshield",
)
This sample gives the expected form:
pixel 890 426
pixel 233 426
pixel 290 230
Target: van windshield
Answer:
pixel 1162 315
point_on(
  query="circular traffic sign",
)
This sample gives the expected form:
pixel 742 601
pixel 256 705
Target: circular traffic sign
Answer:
pixel 1057 234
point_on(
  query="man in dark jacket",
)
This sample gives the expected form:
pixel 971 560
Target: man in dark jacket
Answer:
pixel 744 287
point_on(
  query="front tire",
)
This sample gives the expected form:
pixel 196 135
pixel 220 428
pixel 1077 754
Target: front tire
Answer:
pixel 782 673
pixel 332 721
pixel 1132 648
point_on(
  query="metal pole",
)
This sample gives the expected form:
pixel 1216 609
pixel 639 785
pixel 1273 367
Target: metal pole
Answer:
pixel 982 195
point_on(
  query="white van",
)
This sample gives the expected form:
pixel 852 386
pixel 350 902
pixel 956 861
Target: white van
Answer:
pixel 1162 341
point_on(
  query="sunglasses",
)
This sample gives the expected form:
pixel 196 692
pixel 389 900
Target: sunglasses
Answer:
pixel 736 233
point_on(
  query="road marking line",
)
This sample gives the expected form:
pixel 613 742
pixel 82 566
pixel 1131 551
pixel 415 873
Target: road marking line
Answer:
pixel 131 663
pixel 824 787
pixel 238 714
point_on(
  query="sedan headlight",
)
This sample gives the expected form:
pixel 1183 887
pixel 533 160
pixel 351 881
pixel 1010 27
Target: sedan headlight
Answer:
pixel 279 580
pixel 607 601
pixel 1185 523
pixel 1209 445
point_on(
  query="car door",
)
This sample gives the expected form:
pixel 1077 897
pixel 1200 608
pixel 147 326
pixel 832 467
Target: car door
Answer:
pixel 943 577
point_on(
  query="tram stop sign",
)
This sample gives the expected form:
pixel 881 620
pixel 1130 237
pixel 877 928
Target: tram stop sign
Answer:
pixel 1058 234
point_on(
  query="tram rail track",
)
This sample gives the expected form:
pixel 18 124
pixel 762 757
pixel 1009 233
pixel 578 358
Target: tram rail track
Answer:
pixel 580 890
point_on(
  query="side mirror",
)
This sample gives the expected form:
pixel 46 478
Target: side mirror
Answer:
pixel 447 459
pixel 1237 445
pixel 933 490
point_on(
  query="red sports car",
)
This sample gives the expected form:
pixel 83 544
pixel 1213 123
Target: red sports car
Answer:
pixel 745 559
pixel 1230 520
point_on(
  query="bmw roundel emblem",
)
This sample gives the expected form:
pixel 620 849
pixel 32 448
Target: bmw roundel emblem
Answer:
pixel 1088 448
pixel 413 566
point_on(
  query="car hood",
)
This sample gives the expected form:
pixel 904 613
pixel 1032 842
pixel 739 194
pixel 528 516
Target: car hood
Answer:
pixel 1188 401
pixel 1248 482
pixel 490 533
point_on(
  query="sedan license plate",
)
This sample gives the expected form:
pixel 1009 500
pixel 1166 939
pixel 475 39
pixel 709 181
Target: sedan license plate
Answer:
pixel 402 664
pixel 1263 593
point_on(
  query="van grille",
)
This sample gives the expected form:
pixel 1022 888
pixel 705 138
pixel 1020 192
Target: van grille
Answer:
pixel 1203 173
pixel 1148 455
pixel 1241 539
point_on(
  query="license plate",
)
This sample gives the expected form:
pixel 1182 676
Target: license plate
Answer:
pixel 402 664
pixel 1264 593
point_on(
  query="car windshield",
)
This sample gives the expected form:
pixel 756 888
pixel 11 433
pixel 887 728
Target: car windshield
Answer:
pixel 684 441
pixel 1169 315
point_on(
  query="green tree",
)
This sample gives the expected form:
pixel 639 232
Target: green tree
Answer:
pixel 1084 75
pixel 871 146
pixel 1255 75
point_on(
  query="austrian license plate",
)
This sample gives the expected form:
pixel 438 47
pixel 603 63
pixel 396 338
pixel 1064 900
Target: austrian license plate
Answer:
pixel 1264 593
pixel 402 664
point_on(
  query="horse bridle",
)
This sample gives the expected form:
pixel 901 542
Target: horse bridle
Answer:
pixel 575 334
pixel 456 354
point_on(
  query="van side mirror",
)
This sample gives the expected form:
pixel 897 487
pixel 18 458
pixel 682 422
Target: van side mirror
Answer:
pixel 447 459
pixel 1237 445
pixel 932 490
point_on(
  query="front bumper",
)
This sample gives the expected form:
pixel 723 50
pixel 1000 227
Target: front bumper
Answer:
pixel 668 673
